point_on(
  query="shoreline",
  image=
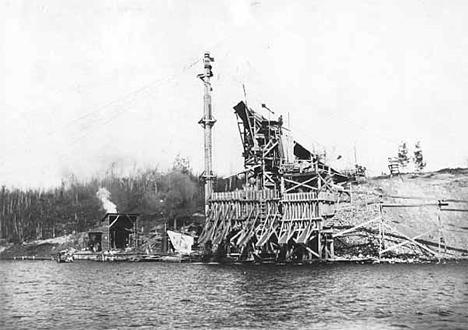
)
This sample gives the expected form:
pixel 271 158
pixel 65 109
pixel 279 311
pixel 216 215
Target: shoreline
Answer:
pixel 138 257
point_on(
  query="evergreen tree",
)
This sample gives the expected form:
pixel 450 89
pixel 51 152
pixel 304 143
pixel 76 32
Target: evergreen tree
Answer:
pixel 403 157
pixel 418 158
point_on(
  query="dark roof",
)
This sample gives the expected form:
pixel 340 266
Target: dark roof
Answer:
pixel 130 215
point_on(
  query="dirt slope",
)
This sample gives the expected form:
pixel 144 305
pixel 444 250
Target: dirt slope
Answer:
pixel 427 188
pixel 42 248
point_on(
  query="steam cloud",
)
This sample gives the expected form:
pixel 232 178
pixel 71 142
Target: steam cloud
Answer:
pixel 103 194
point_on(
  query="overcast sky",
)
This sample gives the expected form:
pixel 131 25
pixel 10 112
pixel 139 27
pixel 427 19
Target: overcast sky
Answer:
pixel 84 84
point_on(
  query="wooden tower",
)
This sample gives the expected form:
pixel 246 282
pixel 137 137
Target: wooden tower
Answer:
pixel 279 214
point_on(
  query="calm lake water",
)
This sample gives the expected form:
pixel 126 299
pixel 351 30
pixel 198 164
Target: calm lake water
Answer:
pixel 92 295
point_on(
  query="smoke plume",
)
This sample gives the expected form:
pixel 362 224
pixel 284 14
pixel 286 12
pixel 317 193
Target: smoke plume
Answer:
pixel 104 195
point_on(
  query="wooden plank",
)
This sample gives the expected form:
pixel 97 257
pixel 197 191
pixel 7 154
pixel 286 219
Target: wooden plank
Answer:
pixel 312 251
pixel 113 222
pixel 304 236
pixel 356 227
pixel 412 240
pixel 454 210
pixel 410 205
pixel 300 184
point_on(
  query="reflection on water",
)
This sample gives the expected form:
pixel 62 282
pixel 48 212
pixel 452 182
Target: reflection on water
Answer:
pixel 92 295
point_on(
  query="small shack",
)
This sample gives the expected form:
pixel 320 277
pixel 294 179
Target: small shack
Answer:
pixel 394 166
pixel 116 231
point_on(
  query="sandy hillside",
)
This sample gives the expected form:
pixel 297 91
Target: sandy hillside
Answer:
pixel 410 189
pixel 42 248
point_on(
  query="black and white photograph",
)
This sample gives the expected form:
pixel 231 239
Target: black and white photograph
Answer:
pixel 233 164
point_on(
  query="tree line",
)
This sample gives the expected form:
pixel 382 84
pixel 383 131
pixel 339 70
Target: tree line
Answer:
pixel 158 196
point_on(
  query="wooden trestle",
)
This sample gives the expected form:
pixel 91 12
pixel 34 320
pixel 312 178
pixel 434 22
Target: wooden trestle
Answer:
pixel 265 225
pixel 279 214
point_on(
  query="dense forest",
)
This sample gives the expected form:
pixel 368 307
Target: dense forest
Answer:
pixel 169 197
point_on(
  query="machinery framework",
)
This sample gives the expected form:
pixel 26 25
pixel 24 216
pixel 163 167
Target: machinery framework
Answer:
pixel 279 214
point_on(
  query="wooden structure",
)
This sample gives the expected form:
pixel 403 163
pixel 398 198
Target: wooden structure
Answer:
pixel 116 231
pixel 394 166
pixel 392 237
pixel 207 122
pixel 279 214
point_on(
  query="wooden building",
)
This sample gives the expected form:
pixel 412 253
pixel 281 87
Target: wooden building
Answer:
pixel 116 231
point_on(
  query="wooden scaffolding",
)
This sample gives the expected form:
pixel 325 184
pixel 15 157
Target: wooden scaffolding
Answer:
pixel 279 214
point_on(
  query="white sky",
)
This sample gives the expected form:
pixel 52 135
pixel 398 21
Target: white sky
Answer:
pixel 84 84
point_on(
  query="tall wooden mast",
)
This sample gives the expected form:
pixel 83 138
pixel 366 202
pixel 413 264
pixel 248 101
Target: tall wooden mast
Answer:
pixel 207 122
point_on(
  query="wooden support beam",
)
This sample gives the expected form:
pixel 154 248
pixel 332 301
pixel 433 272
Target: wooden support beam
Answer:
pixel 247 232
pixel 381 236
pixel 300 184
pixel 270 228
pixel 323 180
pixel 270 148
pixel 412 240
pixel 410 205
pixel 319 244
pixel 455 210
pixel 341 233
pixel 267 176
pixel 332 249
pixel 312 251
pixel 113 222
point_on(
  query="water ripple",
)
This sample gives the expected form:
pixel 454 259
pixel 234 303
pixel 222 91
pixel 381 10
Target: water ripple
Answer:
pixel 90 295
